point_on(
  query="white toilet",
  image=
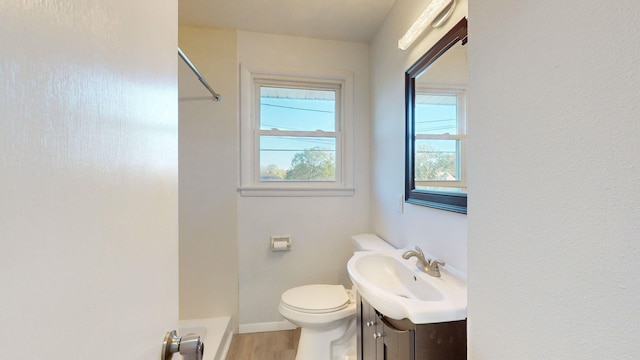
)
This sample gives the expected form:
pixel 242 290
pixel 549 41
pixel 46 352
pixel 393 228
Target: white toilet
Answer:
pixel 326 313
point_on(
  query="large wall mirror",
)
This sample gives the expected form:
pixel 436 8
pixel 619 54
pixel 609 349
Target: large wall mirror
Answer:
pixel 435 100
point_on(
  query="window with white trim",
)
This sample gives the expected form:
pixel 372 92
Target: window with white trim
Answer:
pixel 295 133
pixel 440 139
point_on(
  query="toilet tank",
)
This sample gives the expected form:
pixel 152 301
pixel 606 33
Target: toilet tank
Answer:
pixel 362 242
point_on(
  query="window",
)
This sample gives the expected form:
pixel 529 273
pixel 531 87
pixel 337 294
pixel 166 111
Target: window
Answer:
pixel 295 133
pixel 440 140
pixel 298 132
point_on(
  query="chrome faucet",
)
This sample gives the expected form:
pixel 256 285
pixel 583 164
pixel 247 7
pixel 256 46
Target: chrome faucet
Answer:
pixel 426 265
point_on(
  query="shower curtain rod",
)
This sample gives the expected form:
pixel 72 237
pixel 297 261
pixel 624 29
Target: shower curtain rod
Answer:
pixel 216 96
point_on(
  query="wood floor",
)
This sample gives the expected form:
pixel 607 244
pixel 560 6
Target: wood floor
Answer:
pixel 274 345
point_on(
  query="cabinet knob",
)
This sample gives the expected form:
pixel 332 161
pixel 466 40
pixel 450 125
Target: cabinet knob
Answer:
pixel 377 335
pixel 371 323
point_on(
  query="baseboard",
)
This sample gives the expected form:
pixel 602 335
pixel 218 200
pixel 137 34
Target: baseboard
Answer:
pixel 266 326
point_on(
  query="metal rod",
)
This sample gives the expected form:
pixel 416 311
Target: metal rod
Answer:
pixel 216 96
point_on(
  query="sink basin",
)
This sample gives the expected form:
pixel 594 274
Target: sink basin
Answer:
pixel 399 290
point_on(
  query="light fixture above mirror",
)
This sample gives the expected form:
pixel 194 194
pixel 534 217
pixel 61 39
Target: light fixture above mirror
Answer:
pixel 434 15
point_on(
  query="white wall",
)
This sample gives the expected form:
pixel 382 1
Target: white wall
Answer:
pixel 554 238
pixel 88 184
pixel 208 176
pixel 439 233
pixel 320 227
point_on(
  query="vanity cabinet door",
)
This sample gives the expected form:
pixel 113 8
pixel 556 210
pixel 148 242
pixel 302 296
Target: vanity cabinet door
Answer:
pixel 398 341
pixel 442 341
pixel 367 328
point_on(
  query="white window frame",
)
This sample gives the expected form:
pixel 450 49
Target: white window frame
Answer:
pixel 254 76
pixel 461 154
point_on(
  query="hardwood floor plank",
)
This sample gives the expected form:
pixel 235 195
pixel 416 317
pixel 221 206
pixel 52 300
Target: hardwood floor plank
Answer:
pixel 241 347
pixel 274 345
pixel 278 340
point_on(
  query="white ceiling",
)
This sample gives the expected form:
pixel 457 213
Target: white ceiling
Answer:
pixel 349 20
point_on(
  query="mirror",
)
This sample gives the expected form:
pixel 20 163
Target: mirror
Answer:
pixel 435 105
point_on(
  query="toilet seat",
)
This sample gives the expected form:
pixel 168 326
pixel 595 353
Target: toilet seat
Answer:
pixel 316 299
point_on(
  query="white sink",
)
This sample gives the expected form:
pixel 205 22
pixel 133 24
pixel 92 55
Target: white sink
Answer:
pixel 399 290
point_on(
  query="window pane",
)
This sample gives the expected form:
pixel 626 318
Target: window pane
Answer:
pixel 292 158
pixel 436 114
pixel 297 109
pixel 436 160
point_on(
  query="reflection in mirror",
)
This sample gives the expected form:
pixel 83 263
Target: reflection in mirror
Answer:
pixel 439 123
pixel 436 125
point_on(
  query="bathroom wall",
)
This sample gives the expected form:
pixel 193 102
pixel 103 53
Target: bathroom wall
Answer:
pixel 320 226
pixel 208 144
pixel 554 222
pixel 439 233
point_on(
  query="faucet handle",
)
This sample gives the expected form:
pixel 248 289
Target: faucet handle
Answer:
pixel 434 267
pixel 427 261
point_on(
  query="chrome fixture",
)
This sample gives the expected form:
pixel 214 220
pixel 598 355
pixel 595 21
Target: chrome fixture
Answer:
pixel 216 96
pixel 189 346
pixel 426 265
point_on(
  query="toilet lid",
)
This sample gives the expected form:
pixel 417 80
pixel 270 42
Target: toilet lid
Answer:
pixel 316 298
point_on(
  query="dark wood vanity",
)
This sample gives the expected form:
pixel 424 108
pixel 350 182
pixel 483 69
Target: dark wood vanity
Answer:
pixel 380 337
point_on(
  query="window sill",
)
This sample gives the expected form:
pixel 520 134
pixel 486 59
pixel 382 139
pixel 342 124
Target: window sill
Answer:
pixel 295 192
